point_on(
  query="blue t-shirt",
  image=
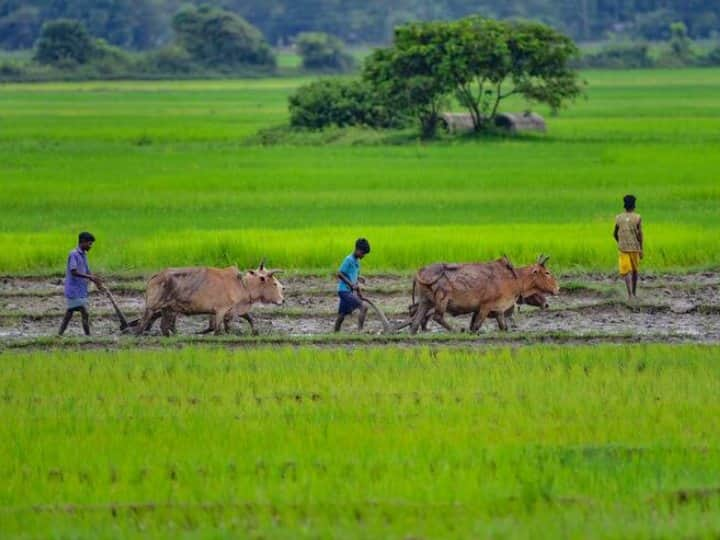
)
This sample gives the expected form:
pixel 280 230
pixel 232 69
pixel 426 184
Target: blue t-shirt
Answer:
pixel 76 287
pixel 351 268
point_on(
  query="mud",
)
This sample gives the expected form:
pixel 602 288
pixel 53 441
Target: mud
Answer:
pixel 670 308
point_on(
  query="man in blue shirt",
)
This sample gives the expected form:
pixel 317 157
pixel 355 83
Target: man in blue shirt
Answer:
pixel 348 285
pixel 77 275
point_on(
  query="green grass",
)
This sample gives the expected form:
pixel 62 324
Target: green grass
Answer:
pixel 160 172
pixel 601 441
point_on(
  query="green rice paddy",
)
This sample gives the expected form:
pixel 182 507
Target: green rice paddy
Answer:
pixel 163 174
pixel 376 443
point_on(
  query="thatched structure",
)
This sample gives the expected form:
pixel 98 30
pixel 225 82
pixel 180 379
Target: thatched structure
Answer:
pixel 456 122
pixel 512 122
pixel 517 122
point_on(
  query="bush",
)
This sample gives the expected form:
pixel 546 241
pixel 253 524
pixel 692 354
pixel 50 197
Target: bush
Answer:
pixel 171 60
pixel 64 42
pixel 11 70
pixel 323 51
pixel 620 56
pixel 217 38
pixel 110 60
pixel 339 103
pixel 712 58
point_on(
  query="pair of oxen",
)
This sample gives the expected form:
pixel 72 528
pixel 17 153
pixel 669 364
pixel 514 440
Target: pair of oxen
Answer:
pixel 485 290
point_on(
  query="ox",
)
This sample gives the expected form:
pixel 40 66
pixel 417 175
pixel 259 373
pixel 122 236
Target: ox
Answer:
pixel 219 292
pixel 482 289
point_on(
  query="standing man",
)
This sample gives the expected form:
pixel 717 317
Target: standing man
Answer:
pixel 348 285
pixel 629 237
pixel 77 275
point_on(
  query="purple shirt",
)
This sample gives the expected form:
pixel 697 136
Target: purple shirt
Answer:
pixel 76 287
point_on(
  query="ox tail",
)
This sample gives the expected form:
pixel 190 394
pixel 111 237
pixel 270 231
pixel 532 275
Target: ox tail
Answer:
pixel 413 290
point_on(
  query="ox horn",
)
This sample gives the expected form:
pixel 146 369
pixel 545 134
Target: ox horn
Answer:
pixel 273 272
pixel 262 264
pixel 542 259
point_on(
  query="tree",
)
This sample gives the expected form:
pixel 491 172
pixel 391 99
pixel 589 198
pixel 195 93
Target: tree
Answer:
pixel 406 75
pixel 540 59
pixel 217 38
pixel 64 42
pixel 489 61
pixel 482 61
pixel 323 51
pixel 680 43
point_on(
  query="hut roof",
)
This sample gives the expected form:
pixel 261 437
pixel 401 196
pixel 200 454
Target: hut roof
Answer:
pixel 457 122
pixel 526 121
pixel 513 122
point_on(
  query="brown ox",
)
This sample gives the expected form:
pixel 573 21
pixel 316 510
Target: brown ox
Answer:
pixel 483 289
pixel 219 292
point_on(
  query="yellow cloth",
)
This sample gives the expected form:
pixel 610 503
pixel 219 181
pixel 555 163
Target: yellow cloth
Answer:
pixel 628 261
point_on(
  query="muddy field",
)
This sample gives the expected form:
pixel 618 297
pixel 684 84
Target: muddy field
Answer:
pixel 589 307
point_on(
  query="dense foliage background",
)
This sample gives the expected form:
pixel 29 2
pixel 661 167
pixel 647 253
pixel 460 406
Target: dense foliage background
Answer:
pixel 144 24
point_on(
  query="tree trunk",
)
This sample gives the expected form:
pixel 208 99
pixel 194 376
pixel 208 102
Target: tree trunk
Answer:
pixel 498 97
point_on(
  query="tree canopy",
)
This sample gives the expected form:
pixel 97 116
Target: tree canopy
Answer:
pixel 323 51
pixel 218 38
pixel 64 42
pixel 481 61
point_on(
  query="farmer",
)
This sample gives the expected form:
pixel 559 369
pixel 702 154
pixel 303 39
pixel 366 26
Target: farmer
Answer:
pixel 77 275
pixel 348 285
pixel 629 237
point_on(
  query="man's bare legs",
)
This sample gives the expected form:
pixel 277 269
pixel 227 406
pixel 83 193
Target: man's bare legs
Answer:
pixel 635 276
pixel 68 316
pixel 628 284
pixel 361 318
pixel 363 309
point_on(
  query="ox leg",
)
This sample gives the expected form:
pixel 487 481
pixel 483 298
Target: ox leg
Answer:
pixel 219 321
pixel 167 323
pixel 426 320
pixel 251 322
pixel 211 326
pixel 479 318
pixel 473 321
pixel 502 323
pixel 510 318
pixel 439 318
pixel 412 311
pixel 419 318
pixel 148 319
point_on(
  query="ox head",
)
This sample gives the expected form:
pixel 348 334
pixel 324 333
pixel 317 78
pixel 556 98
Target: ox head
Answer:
pixel 542 279
pixel 264 285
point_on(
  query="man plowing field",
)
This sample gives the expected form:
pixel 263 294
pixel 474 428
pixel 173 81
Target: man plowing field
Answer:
pixel 77 276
